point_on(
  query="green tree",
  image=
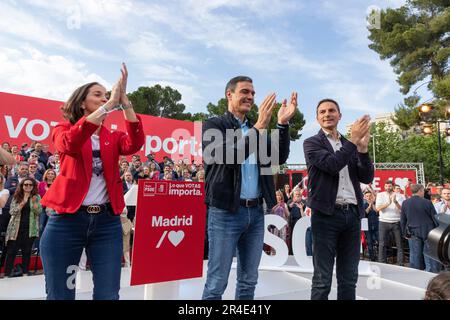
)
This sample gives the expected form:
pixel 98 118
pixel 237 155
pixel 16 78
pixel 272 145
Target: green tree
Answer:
pixel 390 147
pixel 295 125
pixel 407 115
pixel 159 101
pixel 387 143
pixel 415 39
pixel 199 116
pixel 419 148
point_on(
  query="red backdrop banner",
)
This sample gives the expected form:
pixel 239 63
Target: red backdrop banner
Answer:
pixel 27 119
pixel 399 177
pixel 169 231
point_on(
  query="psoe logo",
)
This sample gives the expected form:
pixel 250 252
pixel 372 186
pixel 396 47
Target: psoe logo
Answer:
pixel 149 189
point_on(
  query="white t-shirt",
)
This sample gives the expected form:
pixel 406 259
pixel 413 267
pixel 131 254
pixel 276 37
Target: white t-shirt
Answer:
pixel 391 214
pixel 2 193
pixel 97 194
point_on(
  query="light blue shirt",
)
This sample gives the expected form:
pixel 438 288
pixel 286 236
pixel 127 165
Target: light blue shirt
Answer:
pixel 441 207
pixel 249 171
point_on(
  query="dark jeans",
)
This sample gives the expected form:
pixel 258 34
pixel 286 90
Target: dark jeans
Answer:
pixel 309 242
pixel 131 212
pixel 337 236
pixel 62 243
pixel 43 219
pixel 417 257
pixel 372 239
pixel 24 243
pixel 384 229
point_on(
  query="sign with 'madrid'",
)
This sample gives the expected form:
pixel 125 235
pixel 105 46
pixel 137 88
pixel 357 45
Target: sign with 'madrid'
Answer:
pixel 169 231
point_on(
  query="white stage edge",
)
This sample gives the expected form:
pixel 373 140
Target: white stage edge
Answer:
pixel 387 282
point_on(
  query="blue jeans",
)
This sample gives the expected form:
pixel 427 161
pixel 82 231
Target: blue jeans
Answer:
pixel 62 243
pixel 336 235
pixel 419 260
pixel 227 231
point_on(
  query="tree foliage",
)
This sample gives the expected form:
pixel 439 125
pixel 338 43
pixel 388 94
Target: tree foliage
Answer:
pixel 159 101
pixel 387 143
pixel 165 102
pixel 415 39
pixel 390 147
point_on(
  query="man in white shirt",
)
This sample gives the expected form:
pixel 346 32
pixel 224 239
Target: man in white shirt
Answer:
pixel 443 206
pixel 388 205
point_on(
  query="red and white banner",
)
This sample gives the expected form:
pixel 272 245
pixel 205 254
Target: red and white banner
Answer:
pixel 27 119
pixel 169 231
pixel 399 177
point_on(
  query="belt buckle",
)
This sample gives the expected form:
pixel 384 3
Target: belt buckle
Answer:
pixel 93 209
pixel 246 203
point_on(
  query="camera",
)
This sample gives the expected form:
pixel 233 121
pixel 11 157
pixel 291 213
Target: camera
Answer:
pixel 439 240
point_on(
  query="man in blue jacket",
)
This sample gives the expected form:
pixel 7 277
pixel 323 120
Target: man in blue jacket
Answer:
pixel 417 220
pixel 336 166
pixel 238 157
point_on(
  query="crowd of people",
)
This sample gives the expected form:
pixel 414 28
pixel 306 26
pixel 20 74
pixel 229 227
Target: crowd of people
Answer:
pixel 72 202
pixel 387 238
pixel 23 219
pixel 36 165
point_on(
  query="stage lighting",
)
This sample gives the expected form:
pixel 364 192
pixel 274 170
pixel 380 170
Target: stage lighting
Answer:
pixel 427 129
pixel 425 108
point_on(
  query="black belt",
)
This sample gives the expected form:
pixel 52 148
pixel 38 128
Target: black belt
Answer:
pixel 97 208
pixel 248 203
pixel 344 206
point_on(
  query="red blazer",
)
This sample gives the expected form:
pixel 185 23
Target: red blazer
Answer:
pixel 73 142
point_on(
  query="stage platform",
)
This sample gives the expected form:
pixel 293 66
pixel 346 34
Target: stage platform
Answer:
pixel 387 282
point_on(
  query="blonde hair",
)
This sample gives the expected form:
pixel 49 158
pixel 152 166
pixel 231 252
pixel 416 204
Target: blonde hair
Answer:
pixel 44 177
pixel 280 193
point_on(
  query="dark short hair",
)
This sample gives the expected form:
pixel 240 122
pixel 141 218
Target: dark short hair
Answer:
pixel 231 85
pixel 327 100
pixel 416 188
pixel 439 287
pixel 72 110
pixel 388 182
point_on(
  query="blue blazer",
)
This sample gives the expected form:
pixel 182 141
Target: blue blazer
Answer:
pixel 419 215
pixel 324 166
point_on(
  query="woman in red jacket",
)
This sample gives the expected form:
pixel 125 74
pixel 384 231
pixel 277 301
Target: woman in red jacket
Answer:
pixel 86 198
